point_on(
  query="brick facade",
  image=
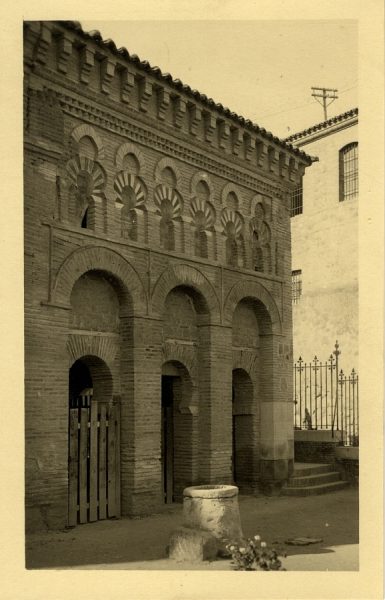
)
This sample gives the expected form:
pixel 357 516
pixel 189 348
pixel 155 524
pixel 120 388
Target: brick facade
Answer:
pixel 157 246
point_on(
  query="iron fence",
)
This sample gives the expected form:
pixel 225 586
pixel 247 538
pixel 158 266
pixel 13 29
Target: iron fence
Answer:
pixel 326 398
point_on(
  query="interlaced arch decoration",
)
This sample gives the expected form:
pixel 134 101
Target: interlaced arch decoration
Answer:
pixel 129 148
pixel 260 240
pixel 232 224
pixel 229 216
pixel 80 164
pixel 173 199
pixel 198 205
pixel 87 182
pixel 165 163
pixel 197 178
pixel 264 202
pixel 85 130
pixel 125 180
pixel 231 187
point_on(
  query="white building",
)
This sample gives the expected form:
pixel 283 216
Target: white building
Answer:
pixel 324 229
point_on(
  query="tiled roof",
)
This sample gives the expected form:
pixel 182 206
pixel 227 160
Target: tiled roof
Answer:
pixel 144 65
pixel 324 125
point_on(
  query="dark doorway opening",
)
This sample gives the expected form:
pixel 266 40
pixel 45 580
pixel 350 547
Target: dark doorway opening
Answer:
pixel 80 385
pixel 242 428
pixel 167 438
pixel 84 224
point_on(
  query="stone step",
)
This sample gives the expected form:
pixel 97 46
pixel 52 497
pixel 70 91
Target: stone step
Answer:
pixel 310 480
pixel 307 469
pixel 314 490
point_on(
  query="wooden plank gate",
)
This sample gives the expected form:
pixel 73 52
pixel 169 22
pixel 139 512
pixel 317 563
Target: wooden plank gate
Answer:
pixel 93 461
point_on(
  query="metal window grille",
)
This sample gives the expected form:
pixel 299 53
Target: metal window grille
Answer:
pixel 296 285
pixel 349 171
pixel 297 201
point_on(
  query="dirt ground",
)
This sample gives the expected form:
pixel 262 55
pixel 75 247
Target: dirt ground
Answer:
pixel 141 543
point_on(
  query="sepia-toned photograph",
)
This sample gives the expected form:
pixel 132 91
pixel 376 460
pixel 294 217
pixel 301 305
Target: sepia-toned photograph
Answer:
pixel 192 252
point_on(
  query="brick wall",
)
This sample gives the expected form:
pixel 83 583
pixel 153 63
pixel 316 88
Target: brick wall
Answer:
pixel 110 158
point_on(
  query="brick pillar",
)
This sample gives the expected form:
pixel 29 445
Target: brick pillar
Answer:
pixel 154 230
pixel 115 226
pixel 221 246
pixel 96 216
pixel 46 417
pixel 140 415
pixel 179 235
pixel 276 412
pixel 215 410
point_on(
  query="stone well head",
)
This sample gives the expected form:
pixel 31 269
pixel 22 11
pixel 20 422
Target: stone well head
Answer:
pixel 210 491
pixel 214 509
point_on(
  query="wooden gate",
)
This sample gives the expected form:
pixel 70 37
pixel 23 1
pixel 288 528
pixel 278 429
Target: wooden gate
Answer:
pixel 94 461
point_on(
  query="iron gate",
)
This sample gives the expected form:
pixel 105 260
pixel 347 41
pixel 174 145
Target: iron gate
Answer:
pixel 326 398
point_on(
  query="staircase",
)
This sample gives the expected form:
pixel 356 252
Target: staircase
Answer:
pixel 310 479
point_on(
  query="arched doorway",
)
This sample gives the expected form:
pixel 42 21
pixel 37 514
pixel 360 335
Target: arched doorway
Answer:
pixel 252 386
pixel 94 443
pixel 176 431
pixel 243 428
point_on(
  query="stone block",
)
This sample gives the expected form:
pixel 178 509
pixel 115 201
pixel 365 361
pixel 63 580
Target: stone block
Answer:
pixel 192 545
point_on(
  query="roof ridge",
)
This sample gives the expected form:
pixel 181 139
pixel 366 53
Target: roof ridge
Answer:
pixel 179 85
pixel 322 125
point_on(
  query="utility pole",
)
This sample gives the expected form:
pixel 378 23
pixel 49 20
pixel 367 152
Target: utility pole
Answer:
pixel 325 94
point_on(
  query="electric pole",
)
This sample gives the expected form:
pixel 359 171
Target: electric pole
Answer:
pixel 325 94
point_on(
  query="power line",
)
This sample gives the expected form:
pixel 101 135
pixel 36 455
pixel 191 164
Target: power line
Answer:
pixel 325 94
pixel 301 105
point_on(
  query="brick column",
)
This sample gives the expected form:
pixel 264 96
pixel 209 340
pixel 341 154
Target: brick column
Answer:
pixel 140 415
pixel 215 410
pixel 46 417
pixel 276 416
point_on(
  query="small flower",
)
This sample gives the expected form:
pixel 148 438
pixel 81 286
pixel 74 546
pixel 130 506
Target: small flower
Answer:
pixel 242 550
pixel 231 548
pixel 257 538
pixel 263 544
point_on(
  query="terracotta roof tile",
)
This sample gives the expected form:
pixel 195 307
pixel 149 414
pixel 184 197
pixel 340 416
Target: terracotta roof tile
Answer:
pixel 179 85
pixel 324 125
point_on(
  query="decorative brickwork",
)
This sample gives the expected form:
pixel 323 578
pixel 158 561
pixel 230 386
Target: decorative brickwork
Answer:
pixel 142 202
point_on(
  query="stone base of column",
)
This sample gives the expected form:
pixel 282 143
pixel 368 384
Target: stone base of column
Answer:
pixel 141 504
pixel 46 517
pixel 274 473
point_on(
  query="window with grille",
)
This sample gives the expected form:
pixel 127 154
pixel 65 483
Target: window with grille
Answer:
pixel 297 201
pixel 296 285
pixel 349 171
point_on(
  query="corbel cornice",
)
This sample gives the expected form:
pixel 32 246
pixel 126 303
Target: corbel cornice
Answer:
pixel 179 111
pixel 145 93
pixel 163 102
pixel 224 133
pixel 127 81
pixel 107 72
pixel 64 51
pixel 210 122
pixel 237 139
pixel 195 119
pixel 87 61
